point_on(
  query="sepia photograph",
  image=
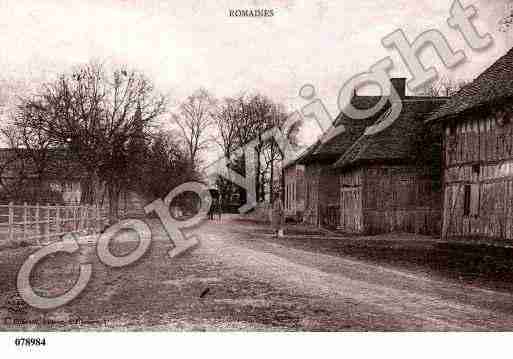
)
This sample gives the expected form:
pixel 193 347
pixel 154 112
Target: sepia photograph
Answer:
pixel 296 169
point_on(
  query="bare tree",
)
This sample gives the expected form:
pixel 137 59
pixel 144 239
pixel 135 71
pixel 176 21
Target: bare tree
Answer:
pixel 194 120
pixel 95 116
pixel 227 116
pixel 264 114
pixel 444 87
pixel 29 159
pixel 244 119
pixel 166 166
pixel 506 22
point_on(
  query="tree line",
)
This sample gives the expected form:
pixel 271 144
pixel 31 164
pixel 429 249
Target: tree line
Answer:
pixel 112 131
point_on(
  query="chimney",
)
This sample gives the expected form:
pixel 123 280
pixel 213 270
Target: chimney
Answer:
pixel 399 84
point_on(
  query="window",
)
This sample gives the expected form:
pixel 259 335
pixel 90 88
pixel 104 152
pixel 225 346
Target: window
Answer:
pixel 471 200
pixel 466 200
pixel 475 169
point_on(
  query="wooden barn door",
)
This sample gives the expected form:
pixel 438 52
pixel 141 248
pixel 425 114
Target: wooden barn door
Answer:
pixel 351 209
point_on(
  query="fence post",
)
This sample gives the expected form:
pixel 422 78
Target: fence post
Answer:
pixel 11 221
pixel 98 219
pixel 38 224
pixel 67 217
pixel 25 220
pixel 79 218
pixel 47 236
pixel 75 223
pixel 89 222
pixel 58 219
pixel 83 217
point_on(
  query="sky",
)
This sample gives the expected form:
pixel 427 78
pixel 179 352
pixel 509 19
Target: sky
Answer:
pixel 185 45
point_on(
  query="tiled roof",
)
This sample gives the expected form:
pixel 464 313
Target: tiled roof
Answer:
pixel 494 84
pixel 398 140
pixel 334 147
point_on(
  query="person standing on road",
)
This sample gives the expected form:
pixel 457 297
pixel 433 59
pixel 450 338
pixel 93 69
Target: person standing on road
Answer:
pixel 277 218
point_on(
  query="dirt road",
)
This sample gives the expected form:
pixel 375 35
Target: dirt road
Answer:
pixel 241 279
pixel 399 298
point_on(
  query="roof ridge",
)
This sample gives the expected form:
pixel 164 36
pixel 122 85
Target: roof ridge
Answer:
pixel 392 141
pixel 488 86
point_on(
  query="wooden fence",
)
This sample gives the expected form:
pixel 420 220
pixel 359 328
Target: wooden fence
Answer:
pixel 44 224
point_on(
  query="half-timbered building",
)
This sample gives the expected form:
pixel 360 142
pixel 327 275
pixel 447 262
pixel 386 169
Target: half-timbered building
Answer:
pixel 387 180
pixel 477 124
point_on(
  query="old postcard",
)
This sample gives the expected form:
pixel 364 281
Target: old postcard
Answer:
pixel 255 166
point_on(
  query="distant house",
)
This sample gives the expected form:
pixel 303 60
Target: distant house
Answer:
pixel 55 181
pixel 478 155
pixel 387 181
pixel 58 181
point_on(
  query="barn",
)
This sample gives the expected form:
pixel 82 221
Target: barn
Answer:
pixel 320 183
pixel 388 181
